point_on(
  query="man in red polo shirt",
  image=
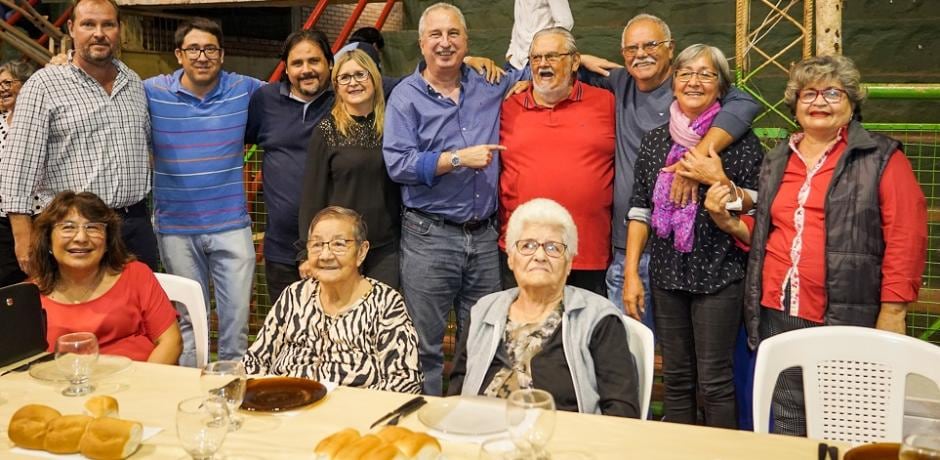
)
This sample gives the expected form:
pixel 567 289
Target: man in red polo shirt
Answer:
pixel 559 138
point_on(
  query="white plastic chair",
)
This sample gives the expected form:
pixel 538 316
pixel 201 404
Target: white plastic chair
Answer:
pixel 189 293
pixel 853 379
pixel 640 340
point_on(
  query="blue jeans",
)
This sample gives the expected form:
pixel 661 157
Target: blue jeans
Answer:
pixel 615 285
pixel 443 267
pixel 228 259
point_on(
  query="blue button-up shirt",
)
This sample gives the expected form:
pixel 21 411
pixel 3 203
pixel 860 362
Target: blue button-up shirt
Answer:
pixel 420 124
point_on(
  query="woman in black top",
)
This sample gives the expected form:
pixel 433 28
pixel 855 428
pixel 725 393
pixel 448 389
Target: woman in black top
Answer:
pixel 695 268
pixel 345 165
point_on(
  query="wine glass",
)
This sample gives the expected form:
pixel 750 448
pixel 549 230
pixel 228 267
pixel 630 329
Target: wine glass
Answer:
pixel 530 415
pixel 921 446
pixel 201 425
pixel 226 379
pixel 498 449
pixel 75 356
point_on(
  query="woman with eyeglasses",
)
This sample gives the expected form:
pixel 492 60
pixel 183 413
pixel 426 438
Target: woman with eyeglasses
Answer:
pixel 696 270
pixel 543 334
pixel 840 233
pixel 12 76
pixel 345 166
pixel 89 283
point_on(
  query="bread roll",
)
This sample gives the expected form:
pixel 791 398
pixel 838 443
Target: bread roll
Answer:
pixel 102 406
pixel 28 425
pixel 109 438
pixel 359 448
pixel 64 434
pixel 332 444
pixel 384 452
pixel 390 433
pixel 419 446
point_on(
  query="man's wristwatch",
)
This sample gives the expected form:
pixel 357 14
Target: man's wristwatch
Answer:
pixel 454 159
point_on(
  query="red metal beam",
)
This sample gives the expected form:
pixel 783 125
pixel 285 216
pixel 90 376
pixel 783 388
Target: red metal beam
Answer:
pixel 386 11
pixel 16 16
pixel 350 23
pixel 311 21
pixel 58 23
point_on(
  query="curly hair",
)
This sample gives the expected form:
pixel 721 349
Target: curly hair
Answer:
pixel 825 68
pixel 44 266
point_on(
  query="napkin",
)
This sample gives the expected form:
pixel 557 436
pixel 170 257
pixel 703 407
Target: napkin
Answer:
pixel 149 432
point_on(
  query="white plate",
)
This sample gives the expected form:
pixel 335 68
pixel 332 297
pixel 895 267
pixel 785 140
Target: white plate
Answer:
pixel 465 415
pixel 106 365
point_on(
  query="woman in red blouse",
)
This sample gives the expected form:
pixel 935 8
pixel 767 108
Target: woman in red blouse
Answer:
pixel 840 233
pixel 89 283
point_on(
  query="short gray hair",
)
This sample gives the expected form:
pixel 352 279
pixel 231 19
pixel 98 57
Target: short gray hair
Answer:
pixel 821 68
pixel 646 17
pixel 718 60
pixel 570 45
pixel 546 212
pixel 360 230
pixel 19 70
pixel 441 6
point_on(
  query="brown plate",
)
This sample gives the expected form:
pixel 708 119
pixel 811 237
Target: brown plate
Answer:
pixel 877 451
pixel 278 394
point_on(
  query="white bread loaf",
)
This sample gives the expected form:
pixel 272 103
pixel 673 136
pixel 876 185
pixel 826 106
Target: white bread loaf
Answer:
pixel 390 443
pixel 29 424
pixel 109 438
pixel 64 434
pixel 420 446
pixel 332 444
pixel 392 433
pixel 102 406
pixel 359 448
pixel 384 452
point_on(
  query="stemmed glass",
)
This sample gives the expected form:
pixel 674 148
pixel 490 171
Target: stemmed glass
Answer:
pixel 76 355
pixel 201 425
pixel 530 415
pixel 226 379
pixel 922 446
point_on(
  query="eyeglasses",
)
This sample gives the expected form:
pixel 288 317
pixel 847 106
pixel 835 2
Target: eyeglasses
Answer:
pixel 551 58
pixel 211 52
pixel 69 229
pixel 704 76
pixel 648 47
pixel 830 95
pixel 552 248
pixel 337 247
pixel 347 78
pixel 7 84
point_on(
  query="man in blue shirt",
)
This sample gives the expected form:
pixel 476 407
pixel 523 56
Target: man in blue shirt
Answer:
pixel 441 134
pixel 198 114
pixel 281 119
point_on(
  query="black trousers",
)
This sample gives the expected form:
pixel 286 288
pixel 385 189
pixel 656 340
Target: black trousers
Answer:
pixel 384 264
pixel 10 272
pixel 278 276
pixel 697 333
pixel 137 233
pixel 592 280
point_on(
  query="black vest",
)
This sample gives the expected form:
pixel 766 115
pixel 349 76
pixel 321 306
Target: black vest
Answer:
pixel 854 241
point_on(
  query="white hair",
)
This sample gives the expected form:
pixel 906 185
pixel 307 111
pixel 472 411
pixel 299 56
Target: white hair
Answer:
pixel 441 6
pixel 646 17
pixel 546 212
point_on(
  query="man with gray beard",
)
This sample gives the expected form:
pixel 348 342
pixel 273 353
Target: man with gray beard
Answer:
pixel 559 139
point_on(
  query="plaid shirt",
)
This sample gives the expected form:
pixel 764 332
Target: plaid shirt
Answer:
pixel 69 134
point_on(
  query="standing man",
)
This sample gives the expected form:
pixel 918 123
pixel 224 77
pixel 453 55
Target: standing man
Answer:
pixel 529 17
pixel 198 114
pixel 281 119
pixel 559 138
pixel 441 130
pixel 82 126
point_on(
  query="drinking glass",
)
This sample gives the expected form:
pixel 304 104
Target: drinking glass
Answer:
pixel 201 425
pixel 226 379
pixel 498 449
pixel 76 355
pixel 530 416
pixel 922 446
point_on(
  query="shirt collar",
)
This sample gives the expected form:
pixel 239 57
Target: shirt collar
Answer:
pixel 284 90
pixel 176 84
pixel 577 92
pixel 795 138
pixel 422 84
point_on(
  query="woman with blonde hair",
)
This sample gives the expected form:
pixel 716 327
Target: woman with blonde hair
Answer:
pixel 345 166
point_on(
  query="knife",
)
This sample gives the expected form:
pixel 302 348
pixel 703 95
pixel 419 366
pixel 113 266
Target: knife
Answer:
pixel 407 407
pixel 25 366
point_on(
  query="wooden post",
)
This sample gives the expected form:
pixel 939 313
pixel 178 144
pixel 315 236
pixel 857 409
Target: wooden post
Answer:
pixel 828 27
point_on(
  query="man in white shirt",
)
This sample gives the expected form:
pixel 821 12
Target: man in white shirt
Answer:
pixel 530 17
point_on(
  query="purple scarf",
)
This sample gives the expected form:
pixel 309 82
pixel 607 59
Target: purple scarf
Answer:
pixel 668 218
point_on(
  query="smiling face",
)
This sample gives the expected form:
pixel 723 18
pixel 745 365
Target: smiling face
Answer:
pixel 821 115
pixel 9 89
pixel 307 70
pixel 357 95
pixel 96 31
pixel 81 251
pixel 329 267
pixel 551 81
pixel 443 40
pixel 648 69
pixel 696 95
pixel 540 270
pixel 201 71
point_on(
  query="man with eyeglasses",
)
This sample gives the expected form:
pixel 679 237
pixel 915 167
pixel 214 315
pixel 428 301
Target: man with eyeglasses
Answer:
pixel 560 131
pixel 198 114
pixel 82 126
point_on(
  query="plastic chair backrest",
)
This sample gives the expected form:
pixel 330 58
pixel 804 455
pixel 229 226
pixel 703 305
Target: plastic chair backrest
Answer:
pixel 853 379
pixel 189 293
pixel 640 340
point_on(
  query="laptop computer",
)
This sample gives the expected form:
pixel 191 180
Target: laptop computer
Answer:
pixel 22 326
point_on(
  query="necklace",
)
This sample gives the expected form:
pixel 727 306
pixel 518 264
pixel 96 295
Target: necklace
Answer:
pixel 66 296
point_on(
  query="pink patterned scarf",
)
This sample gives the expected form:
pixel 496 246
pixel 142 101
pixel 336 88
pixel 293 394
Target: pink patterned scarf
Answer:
pixel 668 218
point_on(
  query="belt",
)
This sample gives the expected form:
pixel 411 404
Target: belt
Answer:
pixel 138 209
pixel 470 225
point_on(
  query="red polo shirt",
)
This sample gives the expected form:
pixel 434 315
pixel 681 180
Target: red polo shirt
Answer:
pixel 565 153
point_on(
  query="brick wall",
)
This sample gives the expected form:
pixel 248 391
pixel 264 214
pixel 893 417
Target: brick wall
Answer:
pixel 335 16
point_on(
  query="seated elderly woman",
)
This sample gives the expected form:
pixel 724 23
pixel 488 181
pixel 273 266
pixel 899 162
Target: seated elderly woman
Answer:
pixel 89 283
pixel 840 233
pixel 339 326
pixel 561 339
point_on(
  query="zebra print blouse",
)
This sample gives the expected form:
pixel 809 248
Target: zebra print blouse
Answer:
pixel 373 344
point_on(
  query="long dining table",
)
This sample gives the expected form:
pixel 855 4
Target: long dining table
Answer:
pixel 149 393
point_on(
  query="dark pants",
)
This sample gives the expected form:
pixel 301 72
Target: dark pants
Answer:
pixel 9 268
pixel 592 280
pixel 278 276
pixel 697 334
pixel 787 406
pixel 384 264
pixel 137 233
